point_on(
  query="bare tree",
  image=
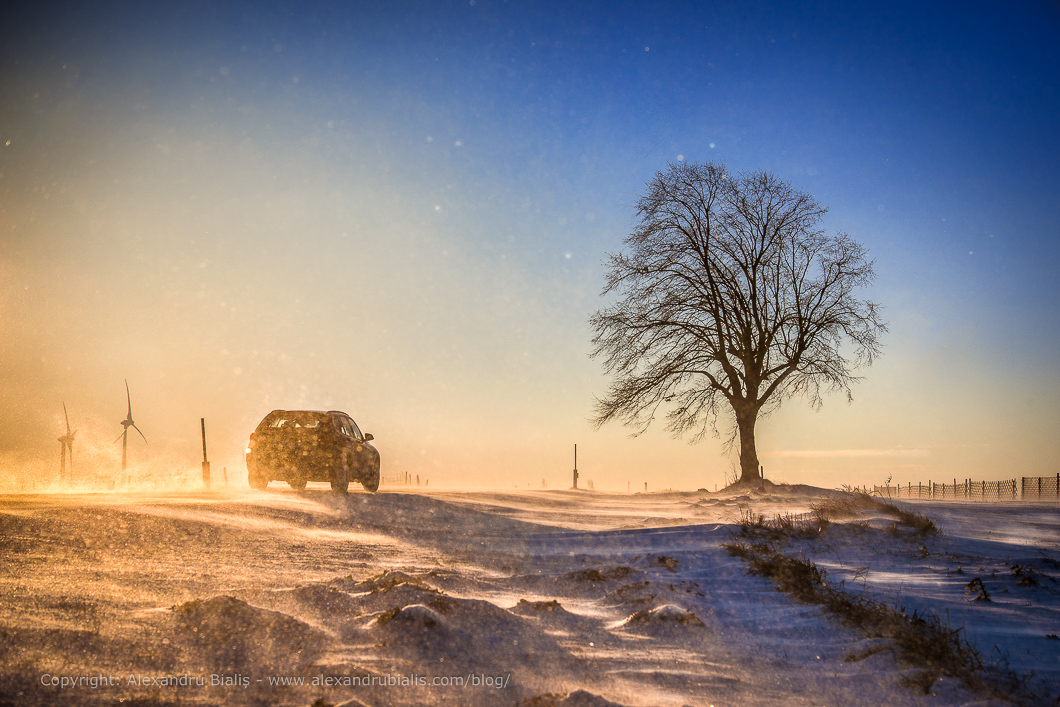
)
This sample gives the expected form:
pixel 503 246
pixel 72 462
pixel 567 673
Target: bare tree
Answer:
pixel 730 298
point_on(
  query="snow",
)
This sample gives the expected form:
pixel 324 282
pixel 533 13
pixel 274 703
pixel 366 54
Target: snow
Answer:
pixel 1012 548
pixel 480 598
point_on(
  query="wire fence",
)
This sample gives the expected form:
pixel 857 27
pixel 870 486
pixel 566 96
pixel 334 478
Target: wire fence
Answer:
pixel 403 479
pixel 1027 488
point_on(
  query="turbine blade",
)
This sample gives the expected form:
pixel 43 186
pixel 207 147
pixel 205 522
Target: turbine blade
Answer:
pixel 121 435
pixel 128 398
pixel 67 418
pixel 141 433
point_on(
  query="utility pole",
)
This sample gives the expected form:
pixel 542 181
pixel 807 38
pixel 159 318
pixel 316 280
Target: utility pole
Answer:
pixel 205 464
pixel 575 466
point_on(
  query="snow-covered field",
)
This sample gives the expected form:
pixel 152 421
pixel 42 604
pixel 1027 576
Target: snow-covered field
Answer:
pixel 481 598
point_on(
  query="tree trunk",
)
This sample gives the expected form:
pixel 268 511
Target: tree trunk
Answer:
pixel 745 423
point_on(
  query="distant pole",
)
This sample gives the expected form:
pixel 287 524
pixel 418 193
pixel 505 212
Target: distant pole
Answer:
pixel 575 466
pixel 205 463
pixel 645 487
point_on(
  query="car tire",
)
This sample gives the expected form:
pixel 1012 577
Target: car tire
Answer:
pixel 371 483
pixel 258 483
pixel 340 474
pixel 297 484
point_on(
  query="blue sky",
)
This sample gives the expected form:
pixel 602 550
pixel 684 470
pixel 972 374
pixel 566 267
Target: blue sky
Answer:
pixel 401 210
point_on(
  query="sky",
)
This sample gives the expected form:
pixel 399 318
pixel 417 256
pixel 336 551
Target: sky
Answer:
pixel 402 210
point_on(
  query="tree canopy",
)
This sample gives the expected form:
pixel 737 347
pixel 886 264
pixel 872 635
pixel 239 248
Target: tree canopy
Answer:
pixel 728 298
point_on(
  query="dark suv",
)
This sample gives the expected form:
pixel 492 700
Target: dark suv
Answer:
pixel 298 446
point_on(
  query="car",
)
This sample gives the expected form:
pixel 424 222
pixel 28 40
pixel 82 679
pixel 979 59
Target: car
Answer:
pixel 299 446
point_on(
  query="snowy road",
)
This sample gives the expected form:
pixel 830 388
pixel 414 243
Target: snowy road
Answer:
pixel 413 599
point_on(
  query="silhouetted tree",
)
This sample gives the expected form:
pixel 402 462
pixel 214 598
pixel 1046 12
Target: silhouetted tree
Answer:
pixel 730 298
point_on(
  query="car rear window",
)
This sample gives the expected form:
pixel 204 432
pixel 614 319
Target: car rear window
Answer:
pixel 291 420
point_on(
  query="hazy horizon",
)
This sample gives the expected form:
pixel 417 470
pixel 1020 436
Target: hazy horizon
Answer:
pixel 401 212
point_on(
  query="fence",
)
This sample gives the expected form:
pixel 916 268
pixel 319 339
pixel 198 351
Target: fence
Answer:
pixel 405 478
pixel 1040 487
pixel 1029 488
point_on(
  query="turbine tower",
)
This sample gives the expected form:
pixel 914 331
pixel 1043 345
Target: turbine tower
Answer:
pixel 127 423
pixel 67 442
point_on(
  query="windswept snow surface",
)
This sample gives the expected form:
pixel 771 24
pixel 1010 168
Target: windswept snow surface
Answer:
pixel 535 598
pixel 992 572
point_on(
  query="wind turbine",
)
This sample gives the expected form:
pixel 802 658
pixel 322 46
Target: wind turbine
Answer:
pixel 127 423
pixel 67 442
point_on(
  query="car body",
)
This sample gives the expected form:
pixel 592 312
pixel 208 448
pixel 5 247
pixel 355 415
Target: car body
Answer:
pixel 298 446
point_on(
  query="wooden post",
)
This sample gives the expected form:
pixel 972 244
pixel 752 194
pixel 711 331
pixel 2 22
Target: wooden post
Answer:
pixel 575 466
pixel 205 463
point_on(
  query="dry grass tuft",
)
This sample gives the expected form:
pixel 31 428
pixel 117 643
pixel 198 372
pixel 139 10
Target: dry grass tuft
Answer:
pixel 846 506
pixel 976 587
pixel 781 527
pixel 917 521
pixel 851 504
pixel 1025 575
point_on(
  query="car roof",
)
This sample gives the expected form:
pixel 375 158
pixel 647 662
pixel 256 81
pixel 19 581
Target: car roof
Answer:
pixel 318 412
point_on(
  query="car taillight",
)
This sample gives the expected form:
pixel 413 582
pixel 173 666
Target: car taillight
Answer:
pixel 250 443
